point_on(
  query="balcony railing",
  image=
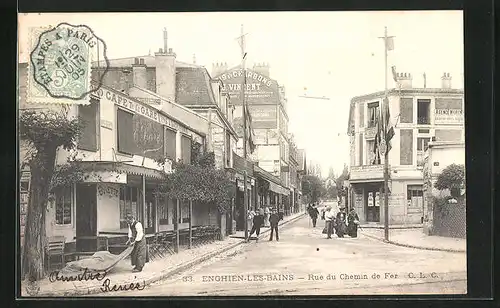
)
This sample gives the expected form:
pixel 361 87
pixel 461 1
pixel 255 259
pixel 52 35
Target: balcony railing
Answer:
pixel 423 120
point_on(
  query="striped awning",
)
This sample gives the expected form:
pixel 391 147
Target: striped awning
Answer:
pixel 121 168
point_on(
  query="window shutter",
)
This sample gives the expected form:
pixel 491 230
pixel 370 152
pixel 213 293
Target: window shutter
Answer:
pixel 170 144
pixel 186 149
pixel 125 129
pixel 88 115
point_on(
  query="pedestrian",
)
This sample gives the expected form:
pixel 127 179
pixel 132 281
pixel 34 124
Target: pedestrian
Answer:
pixel 257 222
pixel 273 220
pixel 341 226
pixel 329 219
pixel 314 213
pixel 352 223
pixel 267 212
pixel 136 238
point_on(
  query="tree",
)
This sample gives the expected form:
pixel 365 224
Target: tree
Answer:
pixel 453 178
pixel 199 181
pixel 43 132
pixel 312 187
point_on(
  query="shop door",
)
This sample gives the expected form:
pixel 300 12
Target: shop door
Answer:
pixel 86 216
pixel 372 201
pixel 150 219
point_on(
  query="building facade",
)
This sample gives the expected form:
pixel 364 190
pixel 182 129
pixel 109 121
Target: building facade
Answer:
pixel 420 115
pixel 118 151
pixel 266 103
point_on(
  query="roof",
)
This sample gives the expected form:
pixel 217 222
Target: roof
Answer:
pixel 149 61
pixel 193 86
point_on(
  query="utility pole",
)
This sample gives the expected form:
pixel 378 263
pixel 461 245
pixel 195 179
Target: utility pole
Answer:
pixel 384 146
pixel 243 86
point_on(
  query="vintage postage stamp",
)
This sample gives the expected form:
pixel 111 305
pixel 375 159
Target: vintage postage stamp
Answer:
pixel 60 64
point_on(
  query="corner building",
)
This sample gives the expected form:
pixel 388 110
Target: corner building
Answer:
pixel 420 115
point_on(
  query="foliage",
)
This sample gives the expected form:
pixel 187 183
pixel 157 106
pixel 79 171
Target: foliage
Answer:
pixel 452 178
pixel 43 132
pixel 199 181
pixel 341 190
pixel 313 187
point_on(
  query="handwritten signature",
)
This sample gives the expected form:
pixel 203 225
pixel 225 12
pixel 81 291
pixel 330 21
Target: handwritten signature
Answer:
pixel 106 286
pixel 85 276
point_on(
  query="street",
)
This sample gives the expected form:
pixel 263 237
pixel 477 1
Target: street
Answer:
pixel 304 262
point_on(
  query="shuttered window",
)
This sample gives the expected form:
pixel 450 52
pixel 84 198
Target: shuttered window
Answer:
pixel 406 147
pixel 170 144
pixel 361 141
pixel 125 128
pixel 186 149
pixel 88 115
pixel 406 110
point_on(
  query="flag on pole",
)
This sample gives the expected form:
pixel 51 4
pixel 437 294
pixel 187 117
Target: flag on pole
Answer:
pixel 388 127
pixel 376 147
pixel 390 43
pixel 394 73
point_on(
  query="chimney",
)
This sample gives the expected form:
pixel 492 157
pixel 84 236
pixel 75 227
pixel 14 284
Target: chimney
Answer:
pixel 165 71
pixel 446 81
pixel 165 39
pixel 261 68
pixel 139 75
pixel 405 80
pixel 218 68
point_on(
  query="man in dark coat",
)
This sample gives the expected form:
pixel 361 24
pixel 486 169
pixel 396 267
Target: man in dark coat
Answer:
pixel 258 221
pixel 352 223
pixel 314 213
pixel 340 222
pixel 136 238
pixel 273 220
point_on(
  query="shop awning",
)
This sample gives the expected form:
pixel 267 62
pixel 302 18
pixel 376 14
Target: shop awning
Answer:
pixel 93 166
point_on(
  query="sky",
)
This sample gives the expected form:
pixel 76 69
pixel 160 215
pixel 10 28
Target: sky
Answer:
pixel 338 55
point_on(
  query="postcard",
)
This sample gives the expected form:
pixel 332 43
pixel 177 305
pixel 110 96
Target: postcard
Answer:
pixel 241 154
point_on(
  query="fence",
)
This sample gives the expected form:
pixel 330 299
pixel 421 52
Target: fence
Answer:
pixel 450 219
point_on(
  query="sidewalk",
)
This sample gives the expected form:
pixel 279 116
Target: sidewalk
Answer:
pixel 152 272
pixel 415 238
pixel 266 230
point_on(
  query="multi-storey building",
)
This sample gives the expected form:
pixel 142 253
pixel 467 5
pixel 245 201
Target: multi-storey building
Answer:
pixel 420 115
pixel 266 103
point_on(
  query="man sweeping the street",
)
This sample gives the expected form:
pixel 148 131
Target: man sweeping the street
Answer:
pixel 136 239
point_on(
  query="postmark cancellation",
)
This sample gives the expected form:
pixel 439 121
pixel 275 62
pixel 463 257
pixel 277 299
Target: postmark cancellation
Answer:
pixel 60 62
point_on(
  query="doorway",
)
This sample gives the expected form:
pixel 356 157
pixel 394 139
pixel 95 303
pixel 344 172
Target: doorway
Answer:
pixel 86 215
pixel 372 203
pixel 150 219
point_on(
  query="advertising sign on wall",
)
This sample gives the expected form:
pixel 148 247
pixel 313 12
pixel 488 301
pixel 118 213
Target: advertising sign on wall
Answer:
pixel 448 111
pixel 259 89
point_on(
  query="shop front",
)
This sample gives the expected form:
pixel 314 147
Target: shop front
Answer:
pixel 367 200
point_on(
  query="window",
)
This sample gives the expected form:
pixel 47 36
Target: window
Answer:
pixel 406 147
pixel 373 114
pixel 414 195
pixel 361 140
pixel 228 150
pixel 88 114
pixel 63 206
pixel 361 115
pixel 370 155
pixel 128 204
pixel 186 149
pixel 148 137
pixel 171 144
pixel 423 111
pixel 125 128
pixel 423 144
pixel 184 212
pixel 406 110
pixel 163 209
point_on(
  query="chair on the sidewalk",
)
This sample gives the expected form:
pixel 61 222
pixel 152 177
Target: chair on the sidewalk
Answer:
pixel 55 250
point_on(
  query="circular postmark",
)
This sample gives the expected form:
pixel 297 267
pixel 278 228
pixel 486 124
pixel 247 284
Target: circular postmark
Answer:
pixel 62 61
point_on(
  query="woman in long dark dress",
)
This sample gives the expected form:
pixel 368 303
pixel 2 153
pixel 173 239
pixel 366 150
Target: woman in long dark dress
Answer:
pixel 352 223
pixel 341 226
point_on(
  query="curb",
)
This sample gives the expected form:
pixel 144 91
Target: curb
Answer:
pixel 413 246
pixel 392 227
pixel 182 267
